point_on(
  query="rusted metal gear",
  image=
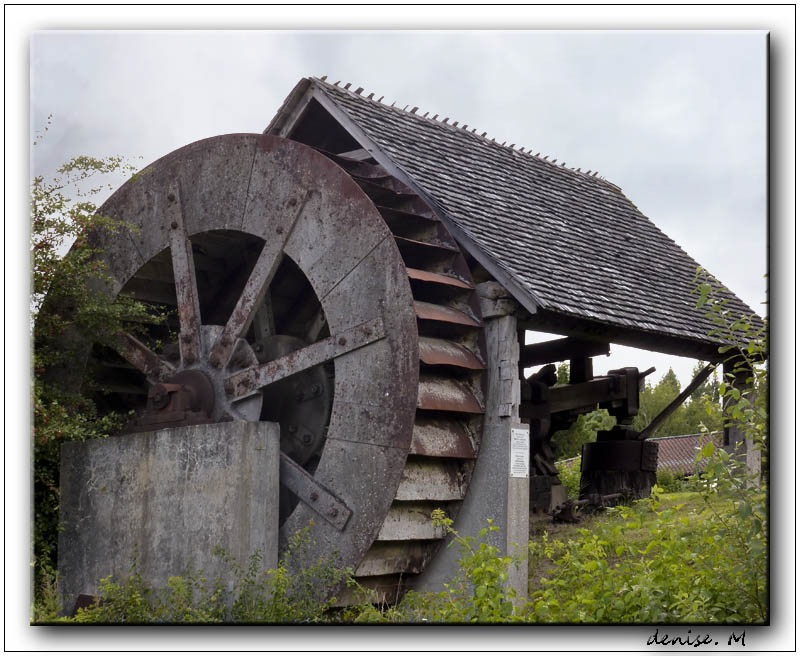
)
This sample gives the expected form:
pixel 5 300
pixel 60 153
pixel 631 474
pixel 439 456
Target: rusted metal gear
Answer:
pixel 319 293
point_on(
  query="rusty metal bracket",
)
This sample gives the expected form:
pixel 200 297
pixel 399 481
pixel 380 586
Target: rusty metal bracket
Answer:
pixel 327 505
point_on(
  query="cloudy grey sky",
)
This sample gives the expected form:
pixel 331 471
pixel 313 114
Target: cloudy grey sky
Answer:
pixel 676 119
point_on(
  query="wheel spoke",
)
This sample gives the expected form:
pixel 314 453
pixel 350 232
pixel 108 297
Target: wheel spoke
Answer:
pixel 252 295
pixel 264 321
pixel 142 358
pixel 315 496
pixel 254 378
pixel 185 279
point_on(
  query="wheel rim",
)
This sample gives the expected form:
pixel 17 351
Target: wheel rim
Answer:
pixel 306 210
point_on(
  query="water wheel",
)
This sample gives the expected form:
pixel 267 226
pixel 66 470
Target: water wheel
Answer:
pixel 318 292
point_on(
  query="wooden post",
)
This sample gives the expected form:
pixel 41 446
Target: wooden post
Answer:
pixel 734 439
pixel 499 489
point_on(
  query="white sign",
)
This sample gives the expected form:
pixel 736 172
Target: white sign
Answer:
pixel 519 460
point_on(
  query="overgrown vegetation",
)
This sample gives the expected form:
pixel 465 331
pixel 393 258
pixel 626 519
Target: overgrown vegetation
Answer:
pixel 69 307
pixel 286 594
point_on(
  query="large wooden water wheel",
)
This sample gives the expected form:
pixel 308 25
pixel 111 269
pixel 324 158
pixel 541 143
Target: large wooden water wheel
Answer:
pixel 316 291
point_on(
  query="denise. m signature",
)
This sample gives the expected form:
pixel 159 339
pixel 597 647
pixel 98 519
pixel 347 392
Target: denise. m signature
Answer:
pixel 690 640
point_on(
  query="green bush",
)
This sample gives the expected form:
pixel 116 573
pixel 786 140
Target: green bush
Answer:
pixel 671 482
pixel 284 594
pixel 478 595
pixel 569 473
pixel 69 307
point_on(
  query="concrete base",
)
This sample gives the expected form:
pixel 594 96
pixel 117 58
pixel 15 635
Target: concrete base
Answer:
pixel 167 499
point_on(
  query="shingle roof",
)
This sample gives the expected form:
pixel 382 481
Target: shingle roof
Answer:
pixel 573 241
pixel 678 454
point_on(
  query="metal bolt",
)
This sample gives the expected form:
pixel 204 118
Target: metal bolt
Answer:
pixel 316 389
pixel 258 348
pixel 171 197
pixel 342 341
pixel 174 225
pixel 300 396
pixel 292 202
pixel 307 438
pixel 279 230
pixel 333 512
pixel 314 496
pixel 292 429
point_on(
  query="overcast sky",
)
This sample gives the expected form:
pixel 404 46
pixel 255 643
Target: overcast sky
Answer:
pixel 676 119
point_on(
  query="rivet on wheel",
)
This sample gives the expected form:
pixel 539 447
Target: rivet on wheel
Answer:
pixel 174 225
pixel 307 438
pixel 292 429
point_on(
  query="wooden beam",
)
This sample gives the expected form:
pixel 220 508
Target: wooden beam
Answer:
pixel 292 109
pixel 666 412
pixel 557 350
pixel 359 154
pixel 550 321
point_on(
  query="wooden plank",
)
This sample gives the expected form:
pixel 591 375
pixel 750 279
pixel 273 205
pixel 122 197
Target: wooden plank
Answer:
pixel 580 370
pixel 445 394
pixel 441 438
pixel 437 278
pixel 558 350
pixel 393 558
pixel 441 313
pixel 410 522
pixel 357 155
pixel 598 390
pixel 430 481
pixel 434 351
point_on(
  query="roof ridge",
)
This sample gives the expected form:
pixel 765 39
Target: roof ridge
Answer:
pixel 455 127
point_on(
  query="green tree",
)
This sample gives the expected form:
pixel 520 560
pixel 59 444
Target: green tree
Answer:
pixel 69 308
pixel 653 399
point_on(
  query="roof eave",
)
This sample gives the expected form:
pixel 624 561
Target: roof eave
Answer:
pixel 292 107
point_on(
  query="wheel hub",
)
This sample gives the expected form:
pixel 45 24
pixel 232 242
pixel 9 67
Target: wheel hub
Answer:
pixel 196 394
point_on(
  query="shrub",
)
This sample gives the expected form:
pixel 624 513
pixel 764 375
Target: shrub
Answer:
pixel 478 595
pixel 569 473
pixel 69 304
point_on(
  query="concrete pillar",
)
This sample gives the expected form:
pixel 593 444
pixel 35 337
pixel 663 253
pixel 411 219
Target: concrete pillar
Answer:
pixel 169 498
pixel 499 488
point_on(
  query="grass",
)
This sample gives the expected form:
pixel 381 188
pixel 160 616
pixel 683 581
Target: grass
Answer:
pixel 687 505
